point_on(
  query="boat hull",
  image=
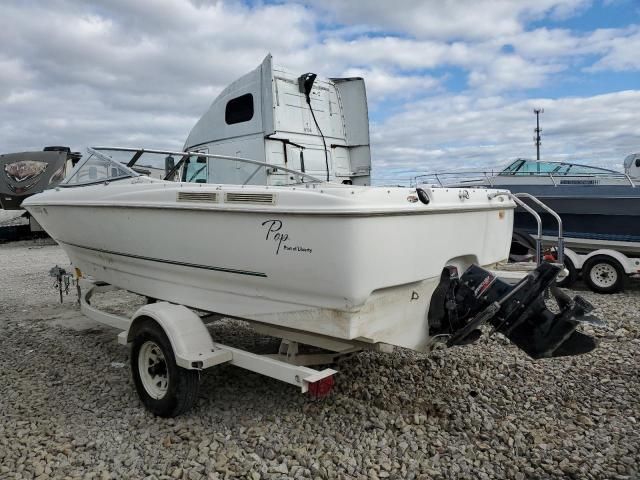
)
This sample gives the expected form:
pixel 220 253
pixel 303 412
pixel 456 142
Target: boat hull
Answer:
pixel 349 274
pixel 602 216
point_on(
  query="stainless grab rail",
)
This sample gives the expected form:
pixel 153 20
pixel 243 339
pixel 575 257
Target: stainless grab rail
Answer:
pixel 491 177
pixel 629 180
pixel 560 246
pixel 535 215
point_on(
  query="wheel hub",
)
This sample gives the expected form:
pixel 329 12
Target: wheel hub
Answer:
pixel 152 367
pixel 604 275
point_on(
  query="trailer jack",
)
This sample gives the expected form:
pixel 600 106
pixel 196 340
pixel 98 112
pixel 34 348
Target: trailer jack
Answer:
pixel 461 305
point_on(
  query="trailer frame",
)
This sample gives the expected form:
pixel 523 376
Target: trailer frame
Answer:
pixel 194 350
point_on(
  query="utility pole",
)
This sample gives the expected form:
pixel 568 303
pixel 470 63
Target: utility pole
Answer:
pixel 537 131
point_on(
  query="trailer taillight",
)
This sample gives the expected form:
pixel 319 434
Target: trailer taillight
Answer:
pixel 321 388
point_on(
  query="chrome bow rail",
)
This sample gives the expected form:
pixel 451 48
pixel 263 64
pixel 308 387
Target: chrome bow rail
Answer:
pixel 490 178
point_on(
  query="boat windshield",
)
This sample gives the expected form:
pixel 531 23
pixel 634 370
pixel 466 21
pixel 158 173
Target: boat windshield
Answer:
pixel 533 167
pixel 97 168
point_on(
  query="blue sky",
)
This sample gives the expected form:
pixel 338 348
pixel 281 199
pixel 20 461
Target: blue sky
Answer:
pixel 610 14
pixel 597 15
pixel 451 84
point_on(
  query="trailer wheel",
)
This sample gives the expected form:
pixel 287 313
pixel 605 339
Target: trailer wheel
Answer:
pixel 603 275
pixel 522 244
pixel 164 388
pixel 571 277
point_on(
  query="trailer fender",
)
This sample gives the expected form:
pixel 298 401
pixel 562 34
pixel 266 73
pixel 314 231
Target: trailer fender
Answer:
pixel 192 345
pixel 622 259
pixel 576 260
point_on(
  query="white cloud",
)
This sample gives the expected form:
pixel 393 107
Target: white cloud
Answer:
pixel 553 44
pixel 122 72
pixel 622 53
pixel 115 72
pixel 403 53
pixel 511 72
pixel 13 73
pixel 447 19
pixel 534 58
pixel 451 132
pixel 382 84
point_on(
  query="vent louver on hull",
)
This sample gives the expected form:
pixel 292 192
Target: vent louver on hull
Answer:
pixel 252 198
pixel 206 197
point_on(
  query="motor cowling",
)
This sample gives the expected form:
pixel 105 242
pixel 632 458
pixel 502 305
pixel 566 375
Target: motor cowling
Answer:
pixel 461 305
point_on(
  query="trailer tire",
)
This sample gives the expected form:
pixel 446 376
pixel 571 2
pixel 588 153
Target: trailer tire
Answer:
pixel 603 274
pixel 164 388
pixel 571 277
pixel 521 243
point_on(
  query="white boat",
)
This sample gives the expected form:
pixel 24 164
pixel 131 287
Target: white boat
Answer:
pixel 266 240
pixel 311 256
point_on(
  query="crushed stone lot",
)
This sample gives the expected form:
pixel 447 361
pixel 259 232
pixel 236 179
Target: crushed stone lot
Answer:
pixel 68 407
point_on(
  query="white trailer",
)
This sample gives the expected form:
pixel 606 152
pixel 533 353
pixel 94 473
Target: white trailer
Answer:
pixel 171 346
pixel 604 270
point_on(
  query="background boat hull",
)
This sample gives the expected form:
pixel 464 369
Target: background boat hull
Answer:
pixel 593 216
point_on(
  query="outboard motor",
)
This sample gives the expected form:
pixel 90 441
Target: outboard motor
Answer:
pixel 461 305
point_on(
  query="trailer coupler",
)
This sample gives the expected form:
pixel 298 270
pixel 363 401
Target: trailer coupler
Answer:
pixel 460 305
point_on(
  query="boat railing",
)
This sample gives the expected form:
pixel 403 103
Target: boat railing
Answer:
pixel 534 214
pixel 518 199
pixel 492 177
pixel 630 180
pixel 554 214
pixel 137 153
pixel 440 178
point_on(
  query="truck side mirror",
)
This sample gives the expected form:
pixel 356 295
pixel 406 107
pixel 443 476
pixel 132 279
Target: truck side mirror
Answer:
pixel 169 164
pixel 305 84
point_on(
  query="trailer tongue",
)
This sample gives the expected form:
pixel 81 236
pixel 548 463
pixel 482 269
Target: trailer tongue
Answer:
pixel 460 305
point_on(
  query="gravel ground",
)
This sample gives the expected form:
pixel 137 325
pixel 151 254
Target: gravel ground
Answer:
pixel 12 217
pixel 68 408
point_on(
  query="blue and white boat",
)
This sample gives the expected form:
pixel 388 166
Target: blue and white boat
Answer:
pixel 600 208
